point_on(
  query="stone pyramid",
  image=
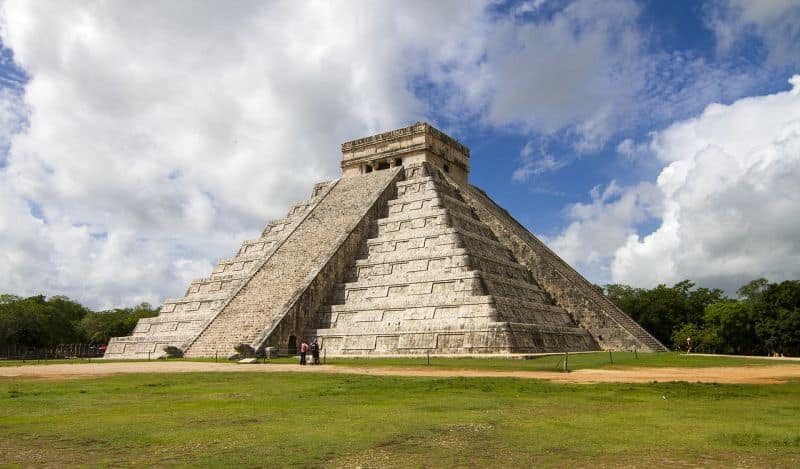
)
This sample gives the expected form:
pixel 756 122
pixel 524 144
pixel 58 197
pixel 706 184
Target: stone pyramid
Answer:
pixel 399 256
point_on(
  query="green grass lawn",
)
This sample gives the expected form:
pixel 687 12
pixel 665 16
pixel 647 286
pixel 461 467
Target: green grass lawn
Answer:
pixel 576 361
pixel 301 420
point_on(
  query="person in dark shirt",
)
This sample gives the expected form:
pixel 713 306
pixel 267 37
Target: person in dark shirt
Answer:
pixel 315 351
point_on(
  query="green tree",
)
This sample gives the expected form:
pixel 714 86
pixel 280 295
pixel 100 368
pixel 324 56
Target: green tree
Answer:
pixel 731 328
pixel 100 327
pixel 690 331
pixel 776 308
pixel 40 322
pixel 754 289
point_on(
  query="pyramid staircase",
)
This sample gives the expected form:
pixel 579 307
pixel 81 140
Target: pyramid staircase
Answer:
pixel 299 271
pixel 433 278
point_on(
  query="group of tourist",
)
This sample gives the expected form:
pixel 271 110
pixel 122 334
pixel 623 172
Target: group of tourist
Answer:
pixel 314 352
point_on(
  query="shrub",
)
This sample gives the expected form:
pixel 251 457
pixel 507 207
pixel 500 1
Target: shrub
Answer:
pixel 245 350
pixel 173 352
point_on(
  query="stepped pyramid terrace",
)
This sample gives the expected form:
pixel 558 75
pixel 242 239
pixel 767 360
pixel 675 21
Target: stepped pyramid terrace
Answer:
pixel 399 256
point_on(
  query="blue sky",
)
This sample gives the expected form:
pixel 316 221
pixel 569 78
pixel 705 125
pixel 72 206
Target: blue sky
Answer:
pixel 646 142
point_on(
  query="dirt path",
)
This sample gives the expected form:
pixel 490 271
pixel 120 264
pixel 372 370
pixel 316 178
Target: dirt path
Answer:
pixel 743 374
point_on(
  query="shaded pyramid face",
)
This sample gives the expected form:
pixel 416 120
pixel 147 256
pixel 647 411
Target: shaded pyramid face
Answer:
pixel 433 278
pixel 398 256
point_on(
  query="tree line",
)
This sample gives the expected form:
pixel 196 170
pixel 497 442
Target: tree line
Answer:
pixel 764 319
pixel 41 322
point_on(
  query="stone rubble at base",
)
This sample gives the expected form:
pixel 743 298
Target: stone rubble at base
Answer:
pixel 399 256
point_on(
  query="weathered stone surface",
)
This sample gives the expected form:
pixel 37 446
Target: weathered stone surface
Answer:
pixel 609 326
pixel 399 256
pixel 182 319
pixel 433 278
pixel 267 299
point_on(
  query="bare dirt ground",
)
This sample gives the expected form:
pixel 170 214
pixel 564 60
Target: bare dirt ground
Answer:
pixel 728 375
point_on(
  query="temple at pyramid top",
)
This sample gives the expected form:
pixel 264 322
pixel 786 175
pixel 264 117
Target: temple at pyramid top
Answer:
pixel 416 143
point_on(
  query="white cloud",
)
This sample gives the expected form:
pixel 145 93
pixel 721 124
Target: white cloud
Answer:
pixel 562 72
pixel 535 161
pixel 527 7
pixel 191 129
pixel 584 73
pixel 599 227
pixel 153 137
pixel 732 208
pixel 159 135
pixel 776 22
pixel 726 200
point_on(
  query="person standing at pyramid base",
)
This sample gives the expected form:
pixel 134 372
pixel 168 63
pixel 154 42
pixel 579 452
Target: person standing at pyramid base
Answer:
pixel 315 351
pixel 303 351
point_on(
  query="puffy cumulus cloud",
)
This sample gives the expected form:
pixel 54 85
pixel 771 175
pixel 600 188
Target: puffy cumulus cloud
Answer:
pixel 144 141
pixel 598 228
pixel 775 22
pixel 582 72
pixel 153 137
pixel 563 72
pixel 724 209
pixel 731 208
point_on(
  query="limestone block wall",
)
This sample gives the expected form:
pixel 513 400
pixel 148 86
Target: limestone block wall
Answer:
pixel 432 278
pixel 298 314
pixel 608 325
pixel 264 301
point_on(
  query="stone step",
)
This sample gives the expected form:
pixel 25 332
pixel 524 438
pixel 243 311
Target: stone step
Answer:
pixel 181 305
pixel 443 232
pixel 236 265
pixel 410 187
pixel 480 338
pixel 329 318
pixel 401 326
pixel 495 261
pixel 516 310
pixel 406 254
pixel 409 222
pixel 176 329
pixel 424 205
pixel 416 243
pixel 198 297
pixel 411 269
pixel 398 218
pixel 506 303
pixel 501 285
pixel 426 229
pixel 424 196
pixel 413 301
pixel 319 189
pixel 441 235
pixel 257 246
pixel 205 286
pixel 555 329
pixel 501 267
pixel 418 282
pixel 173 317
pixel 276 227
